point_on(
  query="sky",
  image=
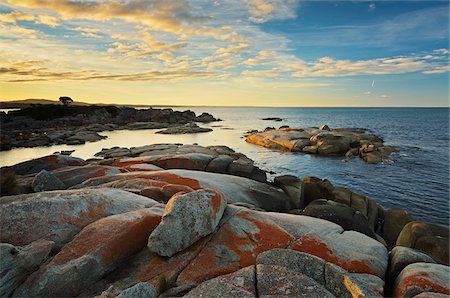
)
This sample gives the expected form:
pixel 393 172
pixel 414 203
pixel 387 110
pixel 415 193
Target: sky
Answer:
pixel 227 52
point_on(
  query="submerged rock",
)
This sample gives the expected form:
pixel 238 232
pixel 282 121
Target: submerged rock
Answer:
pixel 185 129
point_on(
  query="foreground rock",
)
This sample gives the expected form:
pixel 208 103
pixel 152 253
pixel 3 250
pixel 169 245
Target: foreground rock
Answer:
pixel 96 250
pixel 46 125
pixel 186 219
pixel 17 263
pixel 214 232
pixel 59 215
pixel 350 142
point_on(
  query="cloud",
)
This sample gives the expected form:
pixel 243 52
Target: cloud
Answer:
pixel 88 32
pixel 165 15
pixel 27 72
pixel 235 48
pixel 16 16
pixel 264 10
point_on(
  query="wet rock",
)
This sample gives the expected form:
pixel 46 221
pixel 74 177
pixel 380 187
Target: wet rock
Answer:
pixel 186 219
pixel 324 127
pixel 185 129
pixel 237 284
pixel 205 117
pixel 351 153
pixel 293 187
pixel 429 238
pixel 96 250
pixel 422 277
pixel 219 164
pixel 17 263
pixel 394 221
pixel 272 119
pixel 401 256
pixel 348 218
pixel 59 215
pixel 45 181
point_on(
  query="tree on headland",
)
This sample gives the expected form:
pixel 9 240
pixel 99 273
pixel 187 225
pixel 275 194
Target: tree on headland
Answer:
pixel 65 100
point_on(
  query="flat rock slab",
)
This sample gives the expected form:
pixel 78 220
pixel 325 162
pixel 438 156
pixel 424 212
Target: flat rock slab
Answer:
pixel 59 215
pixel 185 129
pixel 187 218
pixel 324 141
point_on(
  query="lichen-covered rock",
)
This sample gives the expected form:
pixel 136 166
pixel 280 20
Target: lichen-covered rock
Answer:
pixel 330 277
pixel 17 263
pixel 45 181
pixel 401 256
pixel 71 176
pixel 278 281
pixel 96 250
pixel 50 162
pixel 234 246
pixel 235 189
pixel 139 290
pixel 59 215
pixel 422 277
pixel 237 284
pixel 429 238
pixel 368 256
pixel 394 221
pixel 187 218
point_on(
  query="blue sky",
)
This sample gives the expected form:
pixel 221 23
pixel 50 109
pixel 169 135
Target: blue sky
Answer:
pixel 227 52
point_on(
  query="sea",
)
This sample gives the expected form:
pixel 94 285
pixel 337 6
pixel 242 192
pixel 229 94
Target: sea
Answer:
pixel 416 178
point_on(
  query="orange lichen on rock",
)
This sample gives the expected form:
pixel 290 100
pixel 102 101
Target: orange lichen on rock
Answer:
pixel 422 281
pixel 310 244
pixel 236 245
pixel 173 179
pixel 170 189
pixel 112 238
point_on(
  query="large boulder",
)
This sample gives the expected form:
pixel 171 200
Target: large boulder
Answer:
pixel 234 246
pixel 316 188
pixel 322 276
pixel 235 189
pixel 186 219
pixel 293 187
pixel 59 215
pixel 45 181
pixel 348 218
pixel 401 256
pixel 394 221
pixel 95 251
pixel 50 162
pixel 17 263
pixel 422 277
pixel 429 238
pixel 237 284
pixel 71 176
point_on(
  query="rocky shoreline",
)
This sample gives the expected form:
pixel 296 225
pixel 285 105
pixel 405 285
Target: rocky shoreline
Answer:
pixel 47 125
pixel 324 141
pixel 173 220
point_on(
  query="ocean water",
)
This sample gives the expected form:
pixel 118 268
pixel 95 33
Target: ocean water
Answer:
pixel 416 178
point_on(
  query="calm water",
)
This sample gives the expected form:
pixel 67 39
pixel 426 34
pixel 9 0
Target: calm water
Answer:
pixel 416 179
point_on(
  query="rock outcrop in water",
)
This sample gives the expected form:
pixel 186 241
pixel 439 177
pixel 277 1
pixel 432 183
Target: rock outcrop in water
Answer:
pixel 174 220
pixel 46 125
pixel 351 142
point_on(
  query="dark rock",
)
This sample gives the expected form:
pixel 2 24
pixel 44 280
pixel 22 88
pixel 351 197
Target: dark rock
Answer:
pixel 272 119
pixel 348 218
pixel 293 187
pixel 394 221
pixel 315 188
pixel 185 129
pixel 429 238
pixel 205 117
pixel 44 181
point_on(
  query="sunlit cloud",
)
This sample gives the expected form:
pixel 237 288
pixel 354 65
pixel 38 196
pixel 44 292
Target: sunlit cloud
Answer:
pixel 88 32
pixel 16 16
